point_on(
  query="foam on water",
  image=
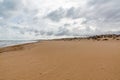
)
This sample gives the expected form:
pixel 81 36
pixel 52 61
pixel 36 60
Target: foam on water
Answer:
pixel 5 43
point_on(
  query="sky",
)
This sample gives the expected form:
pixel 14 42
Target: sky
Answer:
pixel 46 19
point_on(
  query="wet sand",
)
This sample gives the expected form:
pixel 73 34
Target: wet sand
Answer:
pixel 62 60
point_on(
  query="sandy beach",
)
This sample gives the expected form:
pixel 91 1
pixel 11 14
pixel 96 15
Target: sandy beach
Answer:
pixel 62 60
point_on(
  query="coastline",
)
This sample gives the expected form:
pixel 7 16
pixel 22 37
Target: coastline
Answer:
pixel 62 60
pixel 16 47
pixel 109 37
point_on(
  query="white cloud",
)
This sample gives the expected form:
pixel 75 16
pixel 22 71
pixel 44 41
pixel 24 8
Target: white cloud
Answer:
pixel 35 19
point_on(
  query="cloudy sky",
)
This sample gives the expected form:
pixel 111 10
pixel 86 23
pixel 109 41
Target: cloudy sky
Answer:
pixel 39 19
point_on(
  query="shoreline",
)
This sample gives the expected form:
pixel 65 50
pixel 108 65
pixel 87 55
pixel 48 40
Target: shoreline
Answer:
pixel 62 60
pixel 92 38
pixel 106 37
pixel 17 47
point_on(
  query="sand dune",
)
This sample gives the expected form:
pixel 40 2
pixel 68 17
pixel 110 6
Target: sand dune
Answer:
pixel 62 60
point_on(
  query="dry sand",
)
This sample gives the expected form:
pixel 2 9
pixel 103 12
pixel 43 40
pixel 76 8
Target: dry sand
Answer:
pixel 62 60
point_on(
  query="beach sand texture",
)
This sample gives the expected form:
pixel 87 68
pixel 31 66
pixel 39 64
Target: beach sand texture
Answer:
pixel 62 60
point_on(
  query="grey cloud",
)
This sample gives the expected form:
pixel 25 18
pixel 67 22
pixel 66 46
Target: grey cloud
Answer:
pixel 99 11
pixel 66 24
pixel 104 15
pixel 96 2
pixel 73 13
pixel 49 33
pixel 8 6
pixel 57 15
pixel 107 9
pixel 62 31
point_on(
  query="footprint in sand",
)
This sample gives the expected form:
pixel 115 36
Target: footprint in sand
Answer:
pixel 67 79
pixel 40 73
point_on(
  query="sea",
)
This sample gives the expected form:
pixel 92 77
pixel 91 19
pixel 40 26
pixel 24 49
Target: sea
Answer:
pixel 6 43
